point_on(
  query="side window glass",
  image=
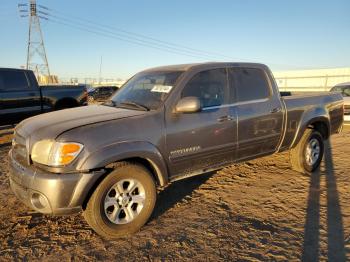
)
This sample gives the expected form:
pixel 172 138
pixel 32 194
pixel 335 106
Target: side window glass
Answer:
pixel 250 84
pixel 346 91
pixel 209 86
pixel 13 80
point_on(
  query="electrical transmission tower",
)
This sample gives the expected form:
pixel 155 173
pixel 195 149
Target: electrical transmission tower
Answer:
pixel 36 53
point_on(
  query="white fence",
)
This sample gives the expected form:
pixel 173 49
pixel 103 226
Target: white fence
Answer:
pixel 311 80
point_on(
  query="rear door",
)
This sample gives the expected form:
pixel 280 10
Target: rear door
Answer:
pixel 259 112
pixel 18 99
pixel 207 138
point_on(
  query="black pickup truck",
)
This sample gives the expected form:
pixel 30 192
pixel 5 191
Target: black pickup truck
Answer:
pixel 22 97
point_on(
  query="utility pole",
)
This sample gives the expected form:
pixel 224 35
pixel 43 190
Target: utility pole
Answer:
pixel 36 53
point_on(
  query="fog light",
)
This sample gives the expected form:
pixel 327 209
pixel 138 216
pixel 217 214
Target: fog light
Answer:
pixel 39 201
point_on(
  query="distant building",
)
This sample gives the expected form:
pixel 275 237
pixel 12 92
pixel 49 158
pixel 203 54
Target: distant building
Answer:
pixel 108 82
pixel 311 80
pixel 93 82
pixel 46 80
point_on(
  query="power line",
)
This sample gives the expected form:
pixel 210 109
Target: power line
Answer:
pixel 150 43
pixel 131 37
pixel 134 40
pixel 122 39
pixel 139 36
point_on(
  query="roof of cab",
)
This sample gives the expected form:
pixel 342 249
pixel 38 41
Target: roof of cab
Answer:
pixel 186 67
pixel 13 69
pixel 343 84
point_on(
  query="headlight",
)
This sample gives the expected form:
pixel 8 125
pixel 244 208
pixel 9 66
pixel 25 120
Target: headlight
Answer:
pixel 52 153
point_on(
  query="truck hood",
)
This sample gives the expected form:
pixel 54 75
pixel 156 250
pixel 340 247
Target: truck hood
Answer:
pixel 51 125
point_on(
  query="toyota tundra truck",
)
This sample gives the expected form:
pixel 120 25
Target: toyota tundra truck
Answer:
pixel 165 124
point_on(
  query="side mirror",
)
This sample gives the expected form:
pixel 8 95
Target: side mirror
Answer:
pixel 190 104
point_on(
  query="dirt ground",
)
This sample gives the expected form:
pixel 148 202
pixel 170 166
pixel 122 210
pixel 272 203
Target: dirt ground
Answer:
pixel 259 210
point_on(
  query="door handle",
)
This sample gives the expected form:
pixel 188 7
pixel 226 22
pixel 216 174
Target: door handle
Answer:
pixel 225 118
pixel 275 110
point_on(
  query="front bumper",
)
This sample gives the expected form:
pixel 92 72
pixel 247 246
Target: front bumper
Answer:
pixel 50 193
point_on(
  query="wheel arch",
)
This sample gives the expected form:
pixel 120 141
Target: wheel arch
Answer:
pixel 140 152
pixel 320 124
pixel 65 102
pixel 147 163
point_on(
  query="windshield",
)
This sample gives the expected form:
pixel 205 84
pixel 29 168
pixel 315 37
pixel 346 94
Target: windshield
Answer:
pixel 146 91
pixel 344 90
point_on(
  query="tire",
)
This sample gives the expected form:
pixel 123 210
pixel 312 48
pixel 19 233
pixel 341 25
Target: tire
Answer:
pixel 115 210
pixel 306 157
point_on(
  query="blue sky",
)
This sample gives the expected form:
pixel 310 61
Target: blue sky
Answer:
pixel 284 34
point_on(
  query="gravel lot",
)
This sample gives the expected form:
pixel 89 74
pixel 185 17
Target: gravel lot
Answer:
pixel 259 210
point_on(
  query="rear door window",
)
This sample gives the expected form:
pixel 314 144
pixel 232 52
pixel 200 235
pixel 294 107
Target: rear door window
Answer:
pixel 345 91
pixel 209 86
pixel 248 84
pixel 13 80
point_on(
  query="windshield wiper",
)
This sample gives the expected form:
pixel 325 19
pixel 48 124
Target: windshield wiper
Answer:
pixel 134 104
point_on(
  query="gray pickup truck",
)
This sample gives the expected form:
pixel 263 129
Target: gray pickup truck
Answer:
pixel 165 124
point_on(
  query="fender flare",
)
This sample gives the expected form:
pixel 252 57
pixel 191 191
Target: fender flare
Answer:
pixel 127 150
pixel 316 115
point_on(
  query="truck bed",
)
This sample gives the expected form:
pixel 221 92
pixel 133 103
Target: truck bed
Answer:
pixel 300 106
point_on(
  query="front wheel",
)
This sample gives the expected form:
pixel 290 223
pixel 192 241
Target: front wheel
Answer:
pixel 123 202
pixel 306 157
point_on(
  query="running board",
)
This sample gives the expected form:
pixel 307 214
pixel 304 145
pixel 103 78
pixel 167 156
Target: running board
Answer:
pixel 196 173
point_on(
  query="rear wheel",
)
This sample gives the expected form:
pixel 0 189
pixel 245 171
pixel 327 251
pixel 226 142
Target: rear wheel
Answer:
pixel 123 202
pixel 306 157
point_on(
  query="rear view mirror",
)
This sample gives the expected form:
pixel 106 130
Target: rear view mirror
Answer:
pixel 190 104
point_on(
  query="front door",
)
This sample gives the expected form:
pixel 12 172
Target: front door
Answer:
pixel 196 141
